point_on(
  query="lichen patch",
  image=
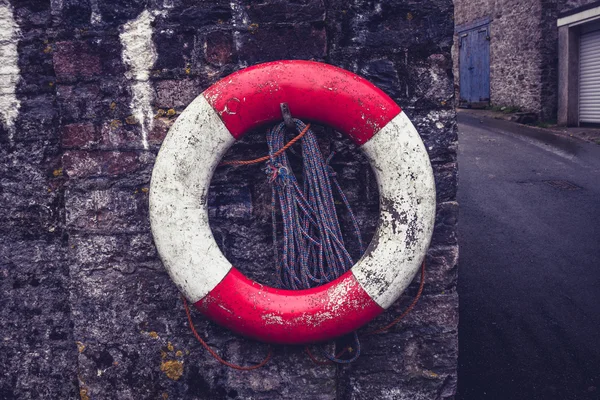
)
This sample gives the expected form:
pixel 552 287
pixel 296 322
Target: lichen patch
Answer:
pixel 172 368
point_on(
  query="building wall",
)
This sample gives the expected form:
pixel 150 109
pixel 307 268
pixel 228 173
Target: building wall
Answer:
pixel 567 5
pixel 88 310
pixel 515 56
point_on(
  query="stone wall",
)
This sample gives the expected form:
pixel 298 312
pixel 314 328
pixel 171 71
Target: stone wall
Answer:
pixel 567 5
pixel 87 309
pixel 515 55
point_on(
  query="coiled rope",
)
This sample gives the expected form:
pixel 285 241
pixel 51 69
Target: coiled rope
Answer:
pixel 313 250
pixel 313 246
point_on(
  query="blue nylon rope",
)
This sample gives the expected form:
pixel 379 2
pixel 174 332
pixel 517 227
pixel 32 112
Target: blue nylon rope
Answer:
pixel 313 250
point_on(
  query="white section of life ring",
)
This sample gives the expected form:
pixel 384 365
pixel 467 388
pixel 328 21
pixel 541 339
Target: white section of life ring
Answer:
pixel 178 199
pixel 407 211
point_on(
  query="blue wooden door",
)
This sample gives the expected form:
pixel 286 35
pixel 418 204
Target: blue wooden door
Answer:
pixel 474 64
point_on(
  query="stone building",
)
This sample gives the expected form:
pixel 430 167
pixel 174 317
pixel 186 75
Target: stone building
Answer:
pixel 507 54
pixel 88 91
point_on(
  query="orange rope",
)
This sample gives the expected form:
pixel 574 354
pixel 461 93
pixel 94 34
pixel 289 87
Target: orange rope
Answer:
pixel 213 353
pixel 409 309
pixel 265 158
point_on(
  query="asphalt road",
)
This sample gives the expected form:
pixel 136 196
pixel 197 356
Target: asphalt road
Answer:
pixel 529 280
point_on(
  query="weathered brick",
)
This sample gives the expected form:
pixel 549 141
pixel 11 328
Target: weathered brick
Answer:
pixel 159 131
pixel 79 136
pixel 107 211
pixel 176 93
pixel 218 48
pixel 103 252
pixel 74 60
pixel 85 164
pixel 118 135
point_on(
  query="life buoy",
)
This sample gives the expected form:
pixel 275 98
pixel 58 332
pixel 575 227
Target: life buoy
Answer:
pixel 249 98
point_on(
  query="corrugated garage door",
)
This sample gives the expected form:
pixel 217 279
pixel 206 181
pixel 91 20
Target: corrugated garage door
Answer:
pixel 589 78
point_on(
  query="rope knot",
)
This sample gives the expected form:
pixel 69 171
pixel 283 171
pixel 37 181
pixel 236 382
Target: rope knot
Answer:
pixel 277 173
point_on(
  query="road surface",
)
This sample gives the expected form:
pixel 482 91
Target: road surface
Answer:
pixel 529 280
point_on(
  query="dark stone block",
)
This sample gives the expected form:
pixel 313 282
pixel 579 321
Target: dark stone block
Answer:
pixel 445 181
pixel 32 14
pixel 35 59
pixel 384 75
pixel 38 117
pixel 444 233
pixel 116 13
pixel 39 354
pixel 233 202
pixel 441 270
pixel 280 11
pixel 194 15
pixel 76 13
pixel 283 42
pixel 218 49
pixel 103 252
pixel 174 48
pixel 107 211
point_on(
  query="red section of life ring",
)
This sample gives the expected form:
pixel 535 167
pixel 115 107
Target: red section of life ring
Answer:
pixel 289 316
pixel 313 91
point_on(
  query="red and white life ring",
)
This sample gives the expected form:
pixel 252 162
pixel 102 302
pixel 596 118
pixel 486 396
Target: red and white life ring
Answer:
pixel 250 98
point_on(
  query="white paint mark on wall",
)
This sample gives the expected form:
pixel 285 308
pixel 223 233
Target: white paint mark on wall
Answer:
pixel 240 22
pixel 96 17
pixel 9 69
pixel 139 54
